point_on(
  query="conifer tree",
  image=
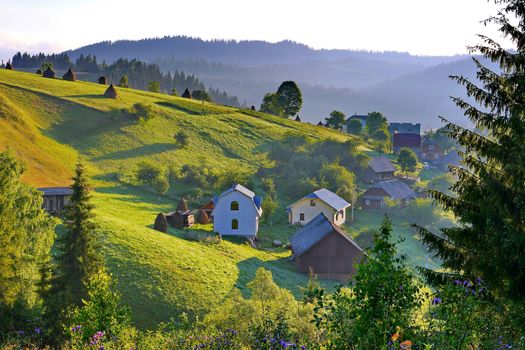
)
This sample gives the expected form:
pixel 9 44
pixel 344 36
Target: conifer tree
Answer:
pixel 489 241
pixel 78 260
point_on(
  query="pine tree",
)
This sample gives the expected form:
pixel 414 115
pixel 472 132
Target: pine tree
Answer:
pixel 78 260
pixel 489 241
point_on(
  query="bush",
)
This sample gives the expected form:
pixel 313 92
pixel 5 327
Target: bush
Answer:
pixel 161 185
pixel 148 173
pixel 181 138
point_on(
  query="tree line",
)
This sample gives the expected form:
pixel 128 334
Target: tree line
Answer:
pixel 139 75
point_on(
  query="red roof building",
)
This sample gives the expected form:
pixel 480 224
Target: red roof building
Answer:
pixel 412 141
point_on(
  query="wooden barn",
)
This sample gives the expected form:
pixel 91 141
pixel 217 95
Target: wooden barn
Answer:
pixel 396 190
pixel 431 152
pixel 325 249
pixel 55 198
pixel 412 141
pixel 379 169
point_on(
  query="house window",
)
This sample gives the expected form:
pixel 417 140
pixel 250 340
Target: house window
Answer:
pixel 234 205
pixel 301 217
pixel 367 202
pixel 235 224
pixel 312 202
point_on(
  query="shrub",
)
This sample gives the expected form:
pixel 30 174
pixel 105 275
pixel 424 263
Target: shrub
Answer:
pixel 102 80
pixel 161 223
pixel 148 172
pixel 161 185
pixel 181 138
pixel 153 86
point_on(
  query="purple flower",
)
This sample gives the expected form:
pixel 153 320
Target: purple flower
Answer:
pixel 436 300
pixel 20 332
pixel 37 330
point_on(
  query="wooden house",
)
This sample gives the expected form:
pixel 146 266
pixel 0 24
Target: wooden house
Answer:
pixel 395 190
pixel 237 212
pixel 324 248
pixel 431 151
pixel 412 141
pixel 55 198
pixel 320 201
pixel 379 169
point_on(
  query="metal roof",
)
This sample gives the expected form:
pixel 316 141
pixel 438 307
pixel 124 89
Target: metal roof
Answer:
pixel 396 189
pixel 257 200
pixel 329 198
pixel 313 232
pixel 56 191
pixel 381 164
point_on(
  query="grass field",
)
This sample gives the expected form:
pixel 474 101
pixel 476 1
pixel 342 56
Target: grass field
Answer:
pixel 51 123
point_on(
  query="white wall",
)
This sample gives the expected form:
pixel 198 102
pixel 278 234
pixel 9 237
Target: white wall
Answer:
pixel 310 212
pixel 246 215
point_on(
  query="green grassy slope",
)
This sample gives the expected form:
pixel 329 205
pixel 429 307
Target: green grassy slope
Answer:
pixel 49 123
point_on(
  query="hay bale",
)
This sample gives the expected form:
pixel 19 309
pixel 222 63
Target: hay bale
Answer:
pixel 186 93
pixel 183 205
pixel 161 224
pixel 297 119
pixel 39 71
pixel 69 76
pixel 178 220
pixel 202 218
pixel 49 73
pixel 111 92
pixel 102 80
pixel 9 66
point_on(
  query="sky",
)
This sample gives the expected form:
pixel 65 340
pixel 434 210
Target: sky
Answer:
pixel 422 27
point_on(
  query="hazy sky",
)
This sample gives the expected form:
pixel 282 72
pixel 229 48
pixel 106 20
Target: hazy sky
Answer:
pixel 442 27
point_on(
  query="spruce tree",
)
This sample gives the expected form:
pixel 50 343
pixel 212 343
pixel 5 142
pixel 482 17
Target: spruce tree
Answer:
pixel 489 241
pixel 78 260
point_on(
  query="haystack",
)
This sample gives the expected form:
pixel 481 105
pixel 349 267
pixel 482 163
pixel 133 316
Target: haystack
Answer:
pixel 161 224
pixel 39 71
pixel 102 80
pixel 178 220
pixel 111 92
pixel 202 218
pixel 183 205
pixel 9 66
pixel 69 76
pixel 252 108
pixel 49 73
pixel 297 119
pixel 320 123
pixel 186 94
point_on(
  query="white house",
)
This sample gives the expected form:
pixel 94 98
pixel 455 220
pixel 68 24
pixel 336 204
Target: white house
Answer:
pixel 237 212
pixel 320 201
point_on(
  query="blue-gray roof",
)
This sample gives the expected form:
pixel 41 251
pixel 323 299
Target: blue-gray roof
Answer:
pixel 396 189
pixel 313 232
pixel 258 201
pixel 56 191
pixel 329 198
pixel 381 164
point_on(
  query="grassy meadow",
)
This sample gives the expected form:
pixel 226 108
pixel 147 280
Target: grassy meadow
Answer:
pixel 50 123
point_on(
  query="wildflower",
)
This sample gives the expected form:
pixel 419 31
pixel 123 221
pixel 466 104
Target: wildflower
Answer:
pixel 406 345
pixel 37 330
pixel 436 300
pixel 395 336
pixel 20 332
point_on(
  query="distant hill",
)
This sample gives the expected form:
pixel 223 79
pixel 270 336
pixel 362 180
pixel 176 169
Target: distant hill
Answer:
pixel 402 86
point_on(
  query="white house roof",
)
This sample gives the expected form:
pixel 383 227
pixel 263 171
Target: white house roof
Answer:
pixel 330 198
pixel 257 200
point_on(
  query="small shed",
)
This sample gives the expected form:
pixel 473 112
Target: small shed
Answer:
pixel 55 199
pixel 431 151
pixel 379 169
pixel 326 249
pixel 397 190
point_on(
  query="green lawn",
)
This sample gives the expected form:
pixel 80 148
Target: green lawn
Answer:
pixel 51 123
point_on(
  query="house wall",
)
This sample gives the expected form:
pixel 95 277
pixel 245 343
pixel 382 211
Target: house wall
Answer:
pixel 370 200
pixel 332 258
pixel 246 216
pixel 55 204
pixel 310 212
pixel 435 154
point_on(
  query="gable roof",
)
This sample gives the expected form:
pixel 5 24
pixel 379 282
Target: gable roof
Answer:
pixel 406 140
pixel 405 128
pixel 395 188
pixel 56 191
pixel 328 197
pixel 313 232
pixel 257 200
pixel 381 164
